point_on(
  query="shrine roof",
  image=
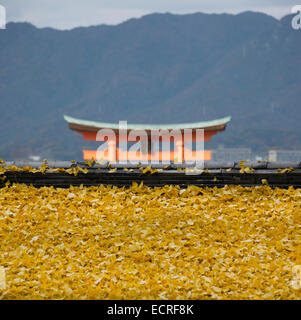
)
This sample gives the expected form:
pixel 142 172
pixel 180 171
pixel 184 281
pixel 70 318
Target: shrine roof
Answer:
pixel 88 125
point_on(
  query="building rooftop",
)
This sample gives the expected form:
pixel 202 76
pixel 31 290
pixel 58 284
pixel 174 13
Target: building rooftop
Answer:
pixel 214 174
pixel 87 125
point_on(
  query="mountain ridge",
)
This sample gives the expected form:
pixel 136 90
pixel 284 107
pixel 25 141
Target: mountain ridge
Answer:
pixel 158 68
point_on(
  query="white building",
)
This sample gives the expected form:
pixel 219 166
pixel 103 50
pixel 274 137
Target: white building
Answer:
pixel 285 155
pixel 222 154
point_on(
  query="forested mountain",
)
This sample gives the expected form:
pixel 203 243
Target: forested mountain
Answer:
pixel 157 69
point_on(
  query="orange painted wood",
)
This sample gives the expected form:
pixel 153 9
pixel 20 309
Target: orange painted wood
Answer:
pixel 91 136
pixel 136 156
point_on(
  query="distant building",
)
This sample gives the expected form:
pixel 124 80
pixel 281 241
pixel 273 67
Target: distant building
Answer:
pixel 34 158
pixel 285 155
pixel 222 154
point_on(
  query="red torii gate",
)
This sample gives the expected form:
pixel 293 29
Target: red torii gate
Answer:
pixel 116 135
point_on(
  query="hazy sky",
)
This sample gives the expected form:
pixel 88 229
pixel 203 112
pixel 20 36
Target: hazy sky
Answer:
pixel 67 14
